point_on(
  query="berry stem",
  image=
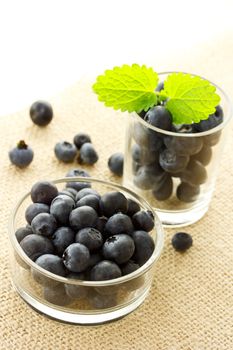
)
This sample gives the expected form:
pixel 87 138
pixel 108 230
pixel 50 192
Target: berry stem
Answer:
pixel 22 145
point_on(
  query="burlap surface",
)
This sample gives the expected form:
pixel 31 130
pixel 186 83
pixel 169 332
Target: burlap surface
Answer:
pixel 190 306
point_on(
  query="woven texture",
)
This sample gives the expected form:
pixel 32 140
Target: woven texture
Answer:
pixel 190 306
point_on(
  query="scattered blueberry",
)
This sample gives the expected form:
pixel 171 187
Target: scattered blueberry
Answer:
pixel 21 155
pixel 41 113
pixel 105 270
pixel 35 209
pixel 78 185
pixel 44 224
pixel 62 238
pixel 88 154
pixel 143 220
pixel 43 192
pixel 116 163
pixel 182 241
pixel 76 257
pixel 90 237
pixel 144 246
pixel 118 248
pixel 35 245
pixel 80 139
pixel 113 202
pixel 65 151
pixel 23 232
pixel 83 217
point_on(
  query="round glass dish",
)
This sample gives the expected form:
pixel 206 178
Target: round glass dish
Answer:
pixel 180 197
pixel 95 302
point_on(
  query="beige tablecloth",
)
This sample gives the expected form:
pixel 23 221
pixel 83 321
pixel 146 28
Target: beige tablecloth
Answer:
pixel 190 306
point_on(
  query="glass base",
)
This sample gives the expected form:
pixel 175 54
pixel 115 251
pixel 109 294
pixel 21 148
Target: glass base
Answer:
pixel 87 318
pixel 181 218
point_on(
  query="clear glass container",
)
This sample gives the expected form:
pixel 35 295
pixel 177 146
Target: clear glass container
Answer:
pixel 180 195
pixel 75 301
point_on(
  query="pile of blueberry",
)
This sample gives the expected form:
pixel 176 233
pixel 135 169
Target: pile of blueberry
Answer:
pixel 81 147
pixel 158 159
pixel 78 233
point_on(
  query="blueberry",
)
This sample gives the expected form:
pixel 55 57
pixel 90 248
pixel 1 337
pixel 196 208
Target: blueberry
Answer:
pixel 160 86
pixel 43 192
pixel 182 241
pixel 133 207
pixel 41 113
pixel 118 248
pixel 144 246
pixel 80 139
pixel 69 191
pixel 65 151
pixel 76 291
pixel 51 263
pixel 148 175
pixel 62 238
pixel 147 138
pixel 35 245
pixel 23 232
pixel 83 217
pixel 88 154
pixel 90 237
pixel 129 267
pixel 165 190
pixel 77 185
pixel 184 145
pixel 76 257
pixel 89 200
pixel 212 139
pixel 212 121
pixel 118 223
pixel 116 163
pixel 187 193
pixel 204 156
pixel 141 155
pixel 35 209
pixel 105 270
pixel 44 224
pixel 113 202
pixel 159 117
pixel 95 258
pixel 143 220
pixel 57 295
pixel 172 162
pixel 85 191
pixel 99 301
pixel 61 208
pixel 101 222
pixel 21 155
pixel 195 173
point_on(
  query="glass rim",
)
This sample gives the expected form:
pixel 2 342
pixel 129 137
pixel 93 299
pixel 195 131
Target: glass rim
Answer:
pixel 199 134
pixel 159 239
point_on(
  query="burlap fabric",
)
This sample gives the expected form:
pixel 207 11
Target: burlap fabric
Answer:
pixel 190 306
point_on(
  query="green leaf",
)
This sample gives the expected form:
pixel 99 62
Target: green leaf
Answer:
pixel 191 98
pixel 128 88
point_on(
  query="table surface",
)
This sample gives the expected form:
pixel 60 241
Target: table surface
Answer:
pixel 190 306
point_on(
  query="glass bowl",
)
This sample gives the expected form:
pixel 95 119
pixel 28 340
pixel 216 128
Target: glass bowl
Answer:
pixel 75 301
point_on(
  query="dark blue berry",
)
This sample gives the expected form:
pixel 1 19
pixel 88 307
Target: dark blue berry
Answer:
pixel 147 175
pixel 116 163
pixel 141 155
pixel 195 173
pixel 159 117
pixel 44 224
pixel 133 207
pixel 99 301
pixel 22 155
pixel 212 121
pixel 41 113
pixel 69 191
pixel 90 237
pixel 147 138
pixel 51 263
pixel 57 295
pixel 65 151
pixel 172 162
pixel 160 86
pixel 118 248
pixel 76 257
pixel 89 200
pixel 204 156
pixel 105 270
pixel 164 191
pixel 78 185
pixel 144 246
pixel 113 202
pixel 129 267
pixel 88 154
pixel 80 139
pixel 35 245
pixel 184 145
pixel 43 192
pixel 83 217
pixel 118 223
pixel 62 238
pixel 84 192
pixel 76 291
pixel 187 193
pixel 101 222
pixel 35 209
pixel 95 258
pixel 143 220
pixel 23 232
pixel 61 208
pixel 182 241
pixel 212 139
